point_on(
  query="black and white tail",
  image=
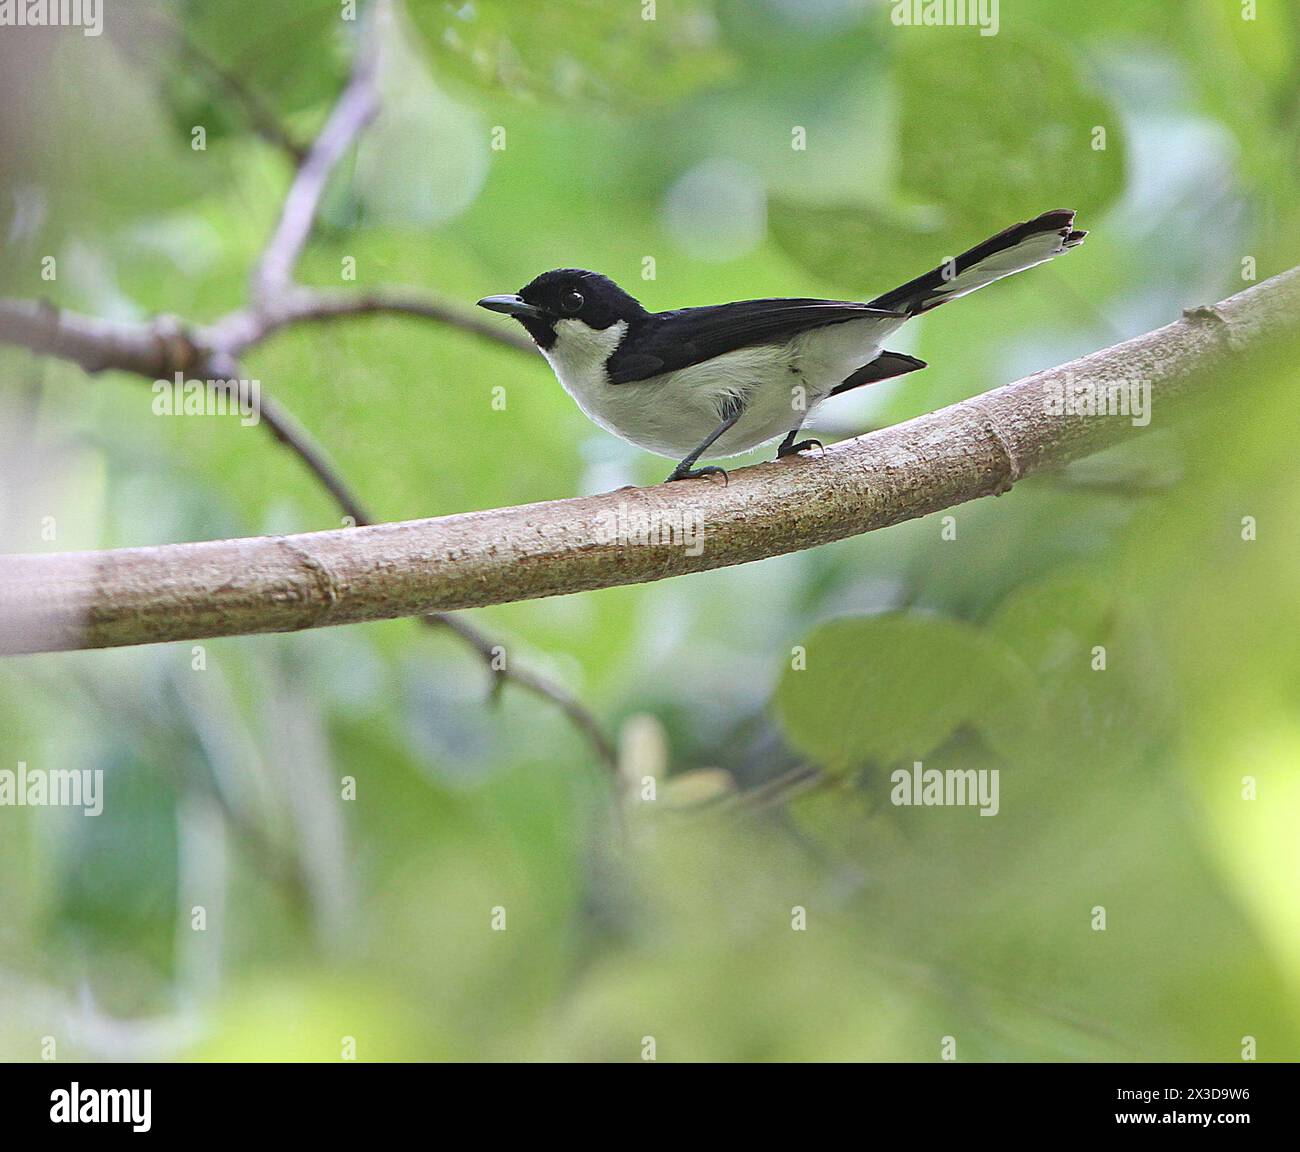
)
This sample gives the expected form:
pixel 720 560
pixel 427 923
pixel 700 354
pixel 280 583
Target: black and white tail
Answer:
pixel 1019 247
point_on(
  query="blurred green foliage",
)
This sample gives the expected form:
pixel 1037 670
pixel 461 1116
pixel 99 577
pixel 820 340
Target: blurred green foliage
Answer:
pixel 373 918
pixel 924 679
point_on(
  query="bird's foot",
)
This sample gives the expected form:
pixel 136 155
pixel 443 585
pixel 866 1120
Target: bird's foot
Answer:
pixel 681 472
pixel 791 449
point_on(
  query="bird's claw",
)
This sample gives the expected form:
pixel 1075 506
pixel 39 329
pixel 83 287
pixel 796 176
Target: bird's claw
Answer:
pixel 680 473
pixel 783 451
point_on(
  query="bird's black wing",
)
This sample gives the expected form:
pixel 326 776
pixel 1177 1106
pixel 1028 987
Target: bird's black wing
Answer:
pixel 668 341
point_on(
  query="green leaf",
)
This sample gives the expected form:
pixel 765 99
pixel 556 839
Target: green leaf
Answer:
pixel 1110 714
pixel 579 50
pixel 855 245
pixel 990 131
pixel 998 129
pixel 890 688
pixel 294 58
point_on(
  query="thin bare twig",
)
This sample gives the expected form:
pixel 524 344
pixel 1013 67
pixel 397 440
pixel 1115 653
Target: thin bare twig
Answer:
pixel 355 108
pixel 781 789
pixel 286 428
pixel 530 681
pixel 246 327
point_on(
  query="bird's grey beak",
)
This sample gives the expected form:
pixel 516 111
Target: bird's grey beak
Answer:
pixel 512 306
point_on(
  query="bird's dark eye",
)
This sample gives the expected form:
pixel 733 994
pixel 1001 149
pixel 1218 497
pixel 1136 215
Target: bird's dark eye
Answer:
pixel 571 301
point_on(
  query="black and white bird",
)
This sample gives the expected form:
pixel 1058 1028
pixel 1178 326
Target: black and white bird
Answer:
pixel 720 380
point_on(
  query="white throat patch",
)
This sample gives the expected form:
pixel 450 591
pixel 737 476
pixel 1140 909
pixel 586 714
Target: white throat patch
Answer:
pixel 579 354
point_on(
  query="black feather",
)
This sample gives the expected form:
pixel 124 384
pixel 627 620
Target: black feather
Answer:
pixel 884 367
pixel 669 341
pixel 925 292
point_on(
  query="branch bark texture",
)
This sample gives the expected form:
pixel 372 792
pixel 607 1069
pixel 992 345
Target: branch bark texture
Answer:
pixel 975 448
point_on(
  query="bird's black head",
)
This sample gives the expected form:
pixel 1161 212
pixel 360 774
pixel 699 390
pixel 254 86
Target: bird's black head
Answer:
pixel 566 294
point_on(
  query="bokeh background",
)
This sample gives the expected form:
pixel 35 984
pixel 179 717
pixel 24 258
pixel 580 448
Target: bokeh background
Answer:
pixel 718 151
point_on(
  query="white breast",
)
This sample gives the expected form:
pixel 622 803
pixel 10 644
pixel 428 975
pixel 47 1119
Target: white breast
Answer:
pixel 671 414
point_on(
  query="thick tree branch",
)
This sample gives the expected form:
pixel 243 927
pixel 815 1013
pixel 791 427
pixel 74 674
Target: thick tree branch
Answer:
pixel 976 448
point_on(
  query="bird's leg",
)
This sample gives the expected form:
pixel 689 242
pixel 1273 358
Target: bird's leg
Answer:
pixel 788 447
pixel 731 412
